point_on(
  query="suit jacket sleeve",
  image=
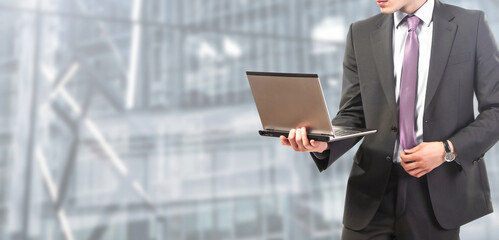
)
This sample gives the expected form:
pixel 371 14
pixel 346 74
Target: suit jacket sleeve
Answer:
pixel 475 139
pixel 351 112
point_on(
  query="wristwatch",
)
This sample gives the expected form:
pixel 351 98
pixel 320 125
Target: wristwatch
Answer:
pixel 449 155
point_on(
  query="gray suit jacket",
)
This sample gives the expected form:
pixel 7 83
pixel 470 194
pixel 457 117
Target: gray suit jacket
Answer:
pixel 464 61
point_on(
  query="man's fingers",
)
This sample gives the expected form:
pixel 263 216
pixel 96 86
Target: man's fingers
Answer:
pixel 407 158
pixel 304 138
pixel 414 169
pixel 414 149
pixel 420 173
pixel 409 167
pixel 284 141
pixel 291 139
pixel 298 140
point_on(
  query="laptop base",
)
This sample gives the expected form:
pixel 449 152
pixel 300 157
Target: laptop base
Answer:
pixel 341 133
pixel 310 136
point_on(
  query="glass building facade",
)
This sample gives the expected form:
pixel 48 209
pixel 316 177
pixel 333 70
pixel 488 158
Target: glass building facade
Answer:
pixel 133 119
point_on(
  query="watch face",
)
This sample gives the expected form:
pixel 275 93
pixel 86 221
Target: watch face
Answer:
pixel 450 156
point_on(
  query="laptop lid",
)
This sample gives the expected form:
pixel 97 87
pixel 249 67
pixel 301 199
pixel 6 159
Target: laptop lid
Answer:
pixel 290 100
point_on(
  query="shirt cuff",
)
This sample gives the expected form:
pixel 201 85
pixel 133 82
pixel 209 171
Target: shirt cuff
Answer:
pixel 322 155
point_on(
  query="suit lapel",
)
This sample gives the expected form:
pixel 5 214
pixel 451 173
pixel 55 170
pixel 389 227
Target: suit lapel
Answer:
pixel 381 40
pixel 444 32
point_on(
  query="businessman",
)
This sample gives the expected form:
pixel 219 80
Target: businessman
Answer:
pixel 411 73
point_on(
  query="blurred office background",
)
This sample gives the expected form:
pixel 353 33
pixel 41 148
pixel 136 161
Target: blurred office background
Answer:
pixel 133 119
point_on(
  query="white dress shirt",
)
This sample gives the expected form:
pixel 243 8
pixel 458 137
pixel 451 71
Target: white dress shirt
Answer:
pixel 425 34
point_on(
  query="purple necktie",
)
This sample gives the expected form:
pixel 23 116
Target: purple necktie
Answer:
pixel 408 86
pixel 407 105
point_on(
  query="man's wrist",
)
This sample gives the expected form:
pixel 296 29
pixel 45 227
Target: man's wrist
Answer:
pixel 327 148
pixel 449 154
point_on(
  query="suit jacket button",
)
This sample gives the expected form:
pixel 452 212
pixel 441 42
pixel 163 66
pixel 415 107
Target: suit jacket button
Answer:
pixel 395 129
pixel 388 159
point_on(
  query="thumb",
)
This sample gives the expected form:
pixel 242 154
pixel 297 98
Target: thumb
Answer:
pixel 313 143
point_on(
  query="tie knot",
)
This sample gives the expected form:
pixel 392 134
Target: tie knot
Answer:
pixel 412 23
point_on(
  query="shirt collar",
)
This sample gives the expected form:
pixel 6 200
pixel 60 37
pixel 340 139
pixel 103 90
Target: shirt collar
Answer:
pixel 425 13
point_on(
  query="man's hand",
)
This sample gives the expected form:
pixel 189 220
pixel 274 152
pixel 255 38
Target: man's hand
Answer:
pixel 297 139
pixel 423 158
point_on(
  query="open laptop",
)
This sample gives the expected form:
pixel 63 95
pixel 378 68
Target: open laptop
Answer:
pixel 287 101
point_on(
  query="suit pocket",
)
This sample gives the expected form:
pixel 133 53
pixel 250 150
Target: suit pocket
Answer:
pixel 459 58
